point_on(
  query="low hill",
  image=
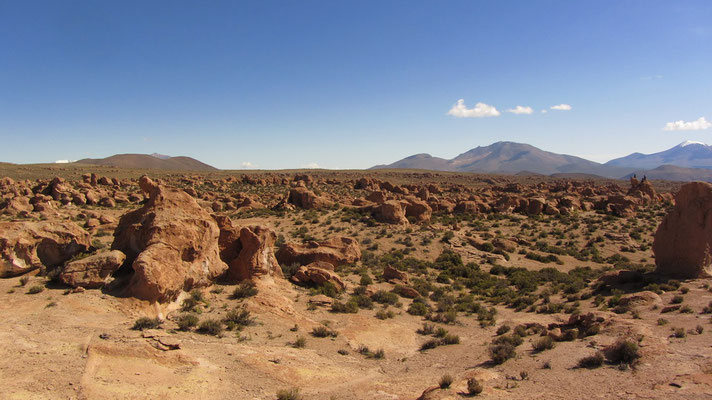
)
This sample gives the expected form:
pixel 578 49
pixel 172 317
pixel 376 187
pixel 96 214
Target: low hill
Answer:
pixel 145 161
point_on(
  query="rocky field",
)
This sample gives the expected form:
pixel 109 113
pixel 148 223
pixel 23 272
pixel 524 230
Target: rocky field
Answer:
pixel 351 285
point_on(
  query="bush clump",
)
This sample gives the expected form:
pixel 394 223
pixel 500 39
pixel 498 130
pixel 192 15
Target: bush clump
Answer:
pixel 591 362
pixel 474 387
pixel 545 343
pixel 146 323
pixel 502 352
pixel 187 321
pixel 244 290
pixel 211 327
pixel 623 352
pixel 445 381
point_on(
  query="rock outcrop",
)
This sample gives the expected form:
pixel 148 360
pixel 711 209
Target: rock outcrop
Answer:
pixel 336 251
pixel 256 257
pixel 92 272
pixel 683 241
pixel 26 246
pixel 318 273
pixel 390 212
pixel 304 198
pixel 171 243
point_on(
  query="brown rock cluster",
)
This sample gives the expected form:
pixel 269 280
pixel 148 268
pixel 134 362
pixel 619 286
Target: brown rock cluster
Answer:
pixel 27 246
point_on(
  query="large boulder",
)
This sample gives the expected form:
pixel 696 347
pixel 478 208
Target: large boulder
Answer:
pixel 26 246
pixel 256 257
pixel 417 209
pixel 683 241
pixel 336 251
pixel 391 212
pixel 304 198
pixel 318 273
pixel 171 243
pixel 92 272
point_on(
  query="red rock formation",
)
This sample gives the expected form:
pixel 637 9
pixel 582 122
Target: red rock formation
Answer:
pixel 171 243
pixel 92 272
pixel 683 241
pixel 256 256
pixel 336 251
pixel 26 246
pixel 318 273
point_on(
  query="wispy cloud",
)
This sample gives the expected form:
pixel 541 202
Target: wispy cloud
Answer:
pixel 521 110
pixel 681 125
pixel 248 165
pixel 311 165
pixel 480 110
pixel 561 107
pixel 651 77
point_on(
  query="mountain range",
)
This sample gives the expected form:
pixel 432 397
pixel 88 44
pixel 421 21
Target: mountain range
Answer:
pixel 686 161
pixel 153 161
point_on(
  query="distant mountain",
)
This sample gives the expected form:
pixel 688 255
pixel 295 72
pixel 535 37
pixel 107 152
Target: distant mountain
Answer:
pixel 675 173
pixel 510 158
pixel 145 161
pixel 687 154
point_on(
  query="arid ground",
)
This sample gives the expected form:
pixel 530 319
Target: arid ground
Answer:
pixel 526 286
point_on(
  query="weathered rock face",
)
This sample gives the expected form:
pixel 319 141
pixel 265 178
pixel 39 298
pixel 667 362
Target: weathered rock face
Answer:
pixel 26 246
pixel 171 243
pixel 391 212
pixel 17 205
pixel 335 251
pixel 92 272
pixel 305 198
pixel 683 241
pixel 390 274
pixel 318 273
pixel 256 256
pixel 419 210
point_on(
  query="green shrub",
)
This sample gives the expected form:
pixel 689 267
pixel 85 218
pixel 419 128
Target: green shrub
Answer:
pixel 384 297
pixel 503 329
pixel 445 381
pixel 350 307
pixel 623 352
pixel 244 290
pixel 591 362
pixel 288 394
pixel 300 342
pixel 322 332
pixel 545 343
pixel 237 318
pixel 24 280
pixel 187 321
pixel 418 307
pixel 429 344
pixel 502 352
pixel 211 327
pixel 474 387
pixel 35 289
pixel 146 323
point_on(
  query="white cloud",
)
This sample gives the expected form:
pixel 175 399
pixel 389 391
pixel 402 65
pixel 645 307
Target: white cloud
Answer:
pixel 544 111
pixel 681 125
pixel 62 162
pixel 248 165
pixel 480 110
pixel 521 110
pixel 311 165
pixel 561 107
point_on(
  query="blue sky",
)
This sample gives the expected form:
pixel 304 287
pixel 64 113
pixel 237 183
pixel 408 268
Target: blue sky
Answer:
pixel 289 84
